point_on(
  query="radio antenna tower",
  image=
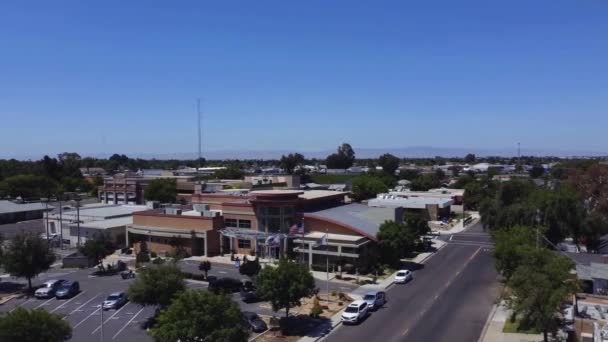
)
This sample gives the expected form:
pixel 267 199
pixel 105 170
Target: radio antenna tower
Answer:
pixel 200 153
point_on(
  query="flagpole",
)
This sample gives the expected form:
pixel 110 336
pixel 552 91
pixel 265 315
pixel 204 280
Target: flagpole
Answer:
pixel 327 264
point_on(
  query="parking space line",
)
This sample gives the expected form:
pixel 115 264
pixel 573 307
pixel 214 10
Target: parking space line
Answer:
pixel 21 305
pixel 124 326
pixel 109 318
pixel 66 302
pixel 80 307
pixel 89 316
pixel 45 303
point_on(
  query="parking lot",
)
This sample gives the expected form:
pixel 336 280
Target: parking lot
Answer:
pixel 83 310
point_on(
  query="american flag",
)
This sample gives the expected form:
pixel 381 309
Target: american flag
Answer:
pixel 296 229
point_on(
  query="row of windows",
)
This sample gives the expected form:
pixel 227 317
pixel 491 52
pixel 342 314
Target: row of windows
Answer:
pixel 234 223
pixel 246 244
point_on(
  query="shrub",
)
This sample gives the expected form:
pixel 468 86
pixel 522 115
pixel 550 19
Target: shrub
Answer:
pixel 334 293
pixel 153 254
pixel 142 257
pixel 316 309
pixel 158 261
pixel 188 275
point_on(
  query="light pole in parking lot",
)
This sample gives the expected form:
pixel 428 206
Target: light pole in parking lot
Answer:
pixel 101 331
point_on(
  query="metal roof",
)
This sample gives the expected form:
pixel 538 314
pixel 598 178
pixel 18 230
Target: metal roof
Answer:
pixel 593 271
pixel 106 224
pixel 7 207
pixel 365 220
pixel 104 212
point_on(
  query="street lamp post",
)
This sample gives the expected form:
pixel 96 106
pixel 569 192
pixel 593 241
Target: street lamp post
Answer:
pixel 46 216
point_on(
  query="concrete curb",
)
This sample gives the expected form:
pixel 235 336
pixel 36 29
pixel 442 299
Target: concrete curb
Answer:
pixel 488 321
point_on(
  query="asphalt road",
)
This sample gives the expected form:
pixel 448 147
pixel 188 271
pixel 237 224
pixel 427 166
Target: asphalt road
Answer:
pixel 449 299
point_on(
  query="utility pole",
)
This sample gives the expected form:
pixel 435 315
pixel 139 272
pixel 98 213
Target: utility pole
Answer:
pixel 60 223
pixel 200 152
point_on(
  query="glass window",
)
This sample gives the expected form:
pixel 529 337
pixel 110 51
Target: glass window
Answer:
pixel 288 211
pixel 244 243
pixel 350 250
pixel 231 222
pixel 274 211
pixel 245 224
pixel 274 224
pixel 326 248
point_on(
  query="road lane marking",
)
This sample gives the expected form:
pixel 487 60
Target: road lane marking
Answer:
pixel 448 283
pixel 109 318
pixel 45 303
pixel 124 326
pixel 21 305
pixel 64 303
pixel 80 307
pixel 405 332
pixel 89 316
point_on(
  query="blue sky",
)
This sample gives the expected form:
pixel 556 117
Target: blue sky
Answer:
pixel 123 76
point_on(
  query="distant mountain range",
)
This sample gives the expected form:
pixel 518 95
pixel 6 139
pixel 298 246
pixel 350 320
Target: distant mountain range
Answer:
pixel 403 152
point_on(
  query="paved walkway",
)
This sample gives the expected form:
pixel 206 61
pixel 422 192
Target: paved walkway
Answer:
pixel 493 330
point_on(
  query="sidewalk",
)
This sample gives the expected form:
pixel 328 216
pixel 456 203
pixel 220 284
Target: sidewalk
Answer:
pixel 458 227
pixel 359 292
pixel 493 329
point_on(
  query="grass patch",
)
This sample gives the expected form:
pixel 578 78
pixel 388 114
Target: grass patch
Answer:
pixel 513 327
pixel 331 179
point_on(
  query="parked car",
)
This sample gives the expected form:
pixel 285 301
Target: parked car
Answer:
pixel 67 289
pixel 255 323
pixel 115 301
pixel 228 285
pixel 48 289
pixel 249 296
pixel 403 276
pixel 355 312
pixel 375 299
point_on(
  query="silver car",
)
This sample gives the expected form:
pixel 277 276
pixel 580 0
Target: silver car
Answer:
pixel 375 299
pixel 48 289
pixel 115 301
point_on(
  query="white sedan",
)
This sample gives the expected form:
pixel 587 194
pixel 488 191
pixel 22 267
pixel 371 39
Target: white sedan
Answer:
pixel 403 276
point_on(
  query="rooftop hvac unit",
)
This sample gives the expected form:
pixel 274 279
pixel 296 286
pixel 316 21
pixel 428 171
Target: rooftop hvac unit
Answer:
pixel 200 207
pixel 173 211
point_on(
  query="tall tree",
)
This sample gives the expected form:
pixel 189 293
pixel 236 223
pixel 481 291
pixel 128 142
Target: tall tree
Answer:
pixel 291 161
pixel 30 186
pixel 367 186
pixel 469 158
pixel 396 240
pixel 285 285
pixel 197 315
pixel 27 255
pixel 539 287
pixel 98 248
pixel 163 190
pixel 342 159
pixel 230 172
pixel 36 325
pixel 511 247
pixel 389 163
pixel 157 285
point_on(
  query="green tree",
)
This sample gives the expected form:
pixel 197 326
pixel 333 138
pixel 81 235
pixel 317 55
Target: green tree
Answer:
pixel 98 248
pixel 200 316
pixel 469 158
pixel 285 285
pixel 539 286
pixel 425 182
pixel 511 247
pixel 342 159
pixel 291 161
pixel 30 186
pixel 36 325
pixel 163 190
pixel 230 172
pixel 389 163
pixel 537 171
pixel 157 285
pixel 205 266
pixel 27 255
pixel 367 186
pixel 396 240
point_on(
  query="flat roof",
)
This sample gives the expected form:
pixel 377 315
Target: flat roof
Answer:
pixel 7 207
pixel 314 194
pixel 106 224
pixel 413 202
pixel 103 212
pixel 333 237
pixel 276 192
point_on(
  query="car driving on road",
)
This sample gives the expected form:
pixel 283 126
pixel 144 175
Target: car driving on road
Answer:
pixel 115 301
pixel 355 312
pixel 48 289
pixel 403 276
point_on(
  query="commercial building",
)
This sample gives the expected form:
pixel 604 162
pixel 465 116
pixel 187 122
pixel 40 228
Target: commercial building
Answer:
pixel 433 208
pixel 11 212
pixel 165 229
pixel 351 230
pixel 122 189
pixel 94 219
